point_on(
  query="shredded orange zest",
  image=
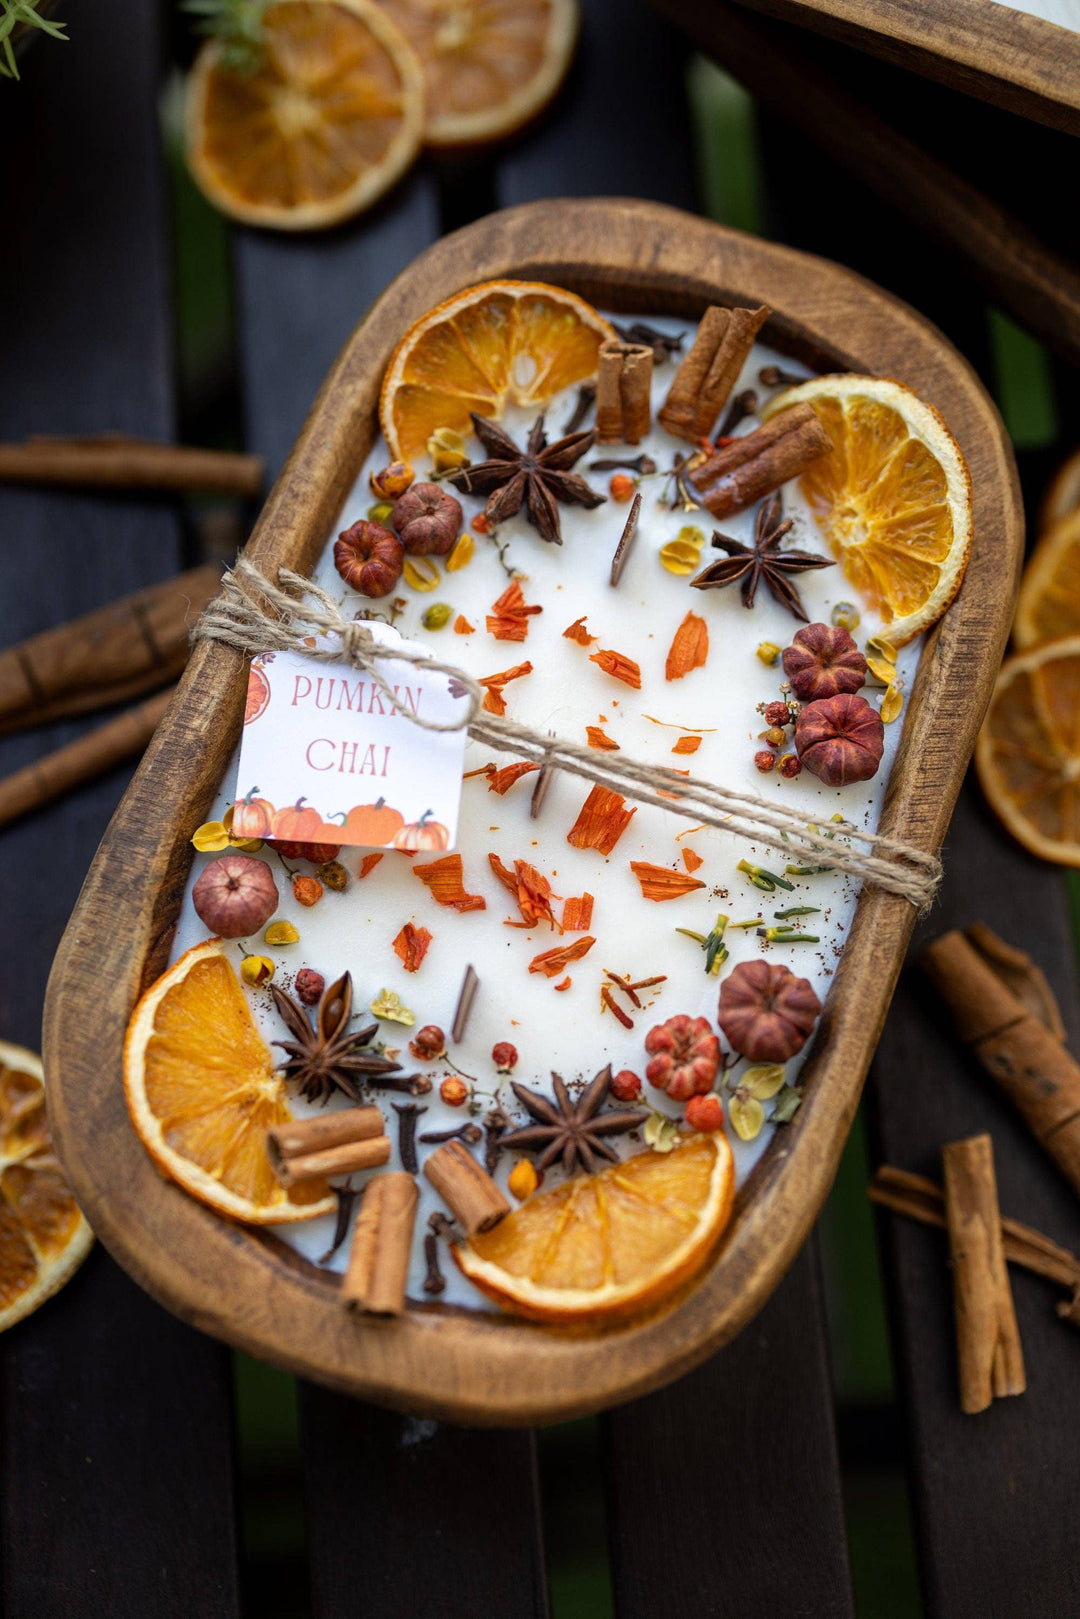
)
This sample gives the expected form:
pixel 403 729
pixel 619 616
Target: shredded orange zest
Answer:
pixel 597 739
pixel 501 781
pixel 530 888
pixel 444 878
pixel 503 873
pixel 691 859
pixel 688 831
pixel 577 913
pixel 552 962
pixel 565 983
pixel 481 770
pixel 613 663
pixel 411 946
pixel 689 649
pixel 368 864
pixel 601 822
pixel 687 744
pixel 577 632
pixel 509 617
pixel 610 1004
pixel 657 882
pixel 462 625
pixel 673 725
pixel 494 701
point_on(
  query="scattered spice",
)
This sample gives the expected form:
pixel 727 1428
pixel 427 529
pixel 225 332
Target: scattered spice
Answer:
pixel 688 651
pixel 437 616
pixel 787 936
pixel 332 875
pixel 586 398
pixel 505 1056
pixel 750 565
pixel 766 1012
pixel 462 554
pixel 367 865
pixel 408 1113
pixel 691 859
pixel 564 983
pixel 346 1197
pixel 501 781
pixel 626 540
pixel 577 913
pixel 663 344
pixel 494 701
pixel 599 739
pixel 743 405
pixel 536 477
pixel 621 488
pixel 327 1058
pixel 642 465
pixel 411 946
pixel 552 962
pixel 420 573
pixel 767 652
pixel 495 1126
pixel 447 450
pixel 509 616
pixel 767 881
pixel 467 995
pixel 687 744
pixel 444 880
pixel 462 625
pixel 685 1056
pixel 764 760
pixel 434 1280
pixel 619 666
pixel 774 376
pixel 660 883
pixel 610 1004
pixel 574 1131
pixel 388 1006
pixel 601 822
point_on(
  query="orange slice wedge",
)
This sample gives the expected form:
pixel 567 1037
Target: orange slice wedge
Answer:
pixel 1048 606
pixel 332 115
pixel 613 1244
pixel 202 1092
pixel 43 1236
pixel 500 343
pixel 1063 496
pixel 892 498
pixel 489 65
pixel 1028 752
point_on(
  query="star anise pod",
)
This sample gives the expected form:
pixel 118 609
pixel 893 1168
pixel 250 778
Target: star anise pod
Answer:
pixel 537 477
pixel 574 1129
pixel 328 1057
pixel 764 560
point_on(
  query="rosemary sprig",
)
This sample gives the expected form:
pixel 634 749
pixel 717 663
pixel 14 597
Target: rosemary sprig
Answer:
pixel 238 24
pixel 25 14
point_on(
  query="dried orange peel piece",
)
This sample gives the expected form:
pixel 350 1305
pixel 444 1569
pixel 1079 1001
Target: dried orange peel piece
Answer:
pixel 1028 752
pixel 44 1237
pixel 202 1092
pixel 892 497
pixel 1048 606
pixel 330 118
pixel 499 343
pixel 600 1247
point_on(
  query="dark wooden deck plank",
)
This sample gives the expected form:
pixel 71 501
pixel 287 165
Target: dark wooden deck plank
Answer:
pixel 116 1465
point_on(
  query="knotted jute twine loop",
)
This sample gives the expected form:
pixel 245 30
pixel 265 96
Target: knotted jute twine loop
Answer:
pixel 252 615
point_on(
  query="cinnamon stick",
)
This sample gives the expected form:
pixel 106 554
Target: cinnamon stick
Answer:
pixel 116 461
pixel 710 370
pixel 623 392
pixel 752 466
pixel 90 756
pixel 338 1143
pixel 626 540
pixel 379 1258
pixel 991 1360
pixel 466 1188
pixel 1020 974
pixel 1014 1046
pixel 105 657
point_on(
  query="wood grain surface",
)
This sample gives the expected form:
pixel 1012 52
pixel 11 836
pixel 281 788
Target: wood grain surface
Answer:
pixel 468 1366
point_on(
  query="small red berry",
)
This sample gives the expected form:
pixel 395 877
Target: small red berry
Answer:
pixel 626 1086
pixel 790 765
pixel 307 890
pixel 428 1043
pixel 309 986
pixel 504 1056
pixel 454 1091
pixel 704 1112
pixel 764 761
pixel 480 524
pixel 622 488
pixel 777 714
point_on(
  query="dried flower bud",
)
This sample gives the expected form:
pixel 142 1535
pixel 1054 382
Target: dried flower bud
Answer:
pixel 790 765
pixel 523 1179
pixel 332 874
pixel 704 1112
pixel 768 652
pixel 235 896
pixel 437 616
pixel 504 1056
pixel 307 890
pixel 764 761
pixel 369 558
pixel 766 1012
pixel 840 739
pixel 777 714
pixel 392 481
pixel 774 736
pixel 447 450
pixel 428 1043
pixel 453 1091
pixel 626 1086
pixel 427 520
pixel 308 986
pixel 685 1056
pixel 622 488
pixel 256 970
pixel 823 661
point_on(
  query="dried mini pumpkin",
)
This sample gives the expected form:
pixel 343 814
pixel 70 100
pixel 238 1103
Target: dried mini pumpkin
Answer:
pixel 685 1056
pixel 369 558
pixel 840 739
pixel 823 661
pixel 766 1012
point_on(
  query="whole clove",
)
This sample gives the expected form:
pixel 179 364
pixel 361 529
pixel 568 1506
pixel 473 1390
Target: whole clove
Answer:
pixel 662 344
pixel 442 1225
pixel 495 1125
pixel 470 1133
pixel 774 376
pixel 407 1084
pixel 586 399
pixel 434 1281
pixel 641 464
pixel 742 406
pixel 408 1113
pixel 346 1197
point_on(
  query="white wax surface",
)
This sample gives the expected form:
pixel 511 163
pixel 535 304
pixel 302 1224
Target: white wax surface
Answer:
pixel 634 936
pixel 1066 13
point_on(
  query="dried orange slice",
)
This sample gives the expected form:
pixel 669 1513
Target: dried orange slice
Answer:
pixel 1063 496
pixel 892 497
pixel 612 1244
pixel 330 117
pixel 489 65
pixel 1049 603
pixel 43 1235
pixel 202 1092
pixel 500 343
pixel 1028 752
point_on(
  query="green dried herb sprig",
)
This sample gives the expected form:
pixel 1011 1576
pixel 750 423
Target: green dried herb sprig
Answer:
pixel 22 14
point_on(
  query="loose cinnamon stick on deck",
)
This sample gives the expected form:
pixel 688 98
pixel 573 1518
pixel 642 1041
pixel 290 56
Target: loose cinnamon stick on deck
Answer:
pixel 710 370
pixel 115 461
pixel 1015 1047
pixel 1024 977
pixel 107 656
pixel 466 1188
pixel 338 1143
pixel 754 465
pixel 379 1257
pixel 991 1361
pixel 91 756
pixel 623 392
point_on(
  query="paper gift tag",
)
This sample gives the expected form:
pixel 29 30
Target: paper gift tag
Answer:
pixel 325 758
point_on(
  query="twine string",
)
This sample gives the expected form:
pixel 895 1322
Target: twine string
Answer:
pixel 253 615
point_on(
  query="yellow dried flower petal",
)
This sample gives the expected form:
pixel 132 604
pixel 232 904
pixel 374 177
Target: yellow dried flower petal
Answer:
pixel 256 970
pixel 211 837
pixel 878 643
pixel 523 1179
pixel 881 669
pixel 768 652
pixel 680 557
pixel 661 1133
pixel 421 573
pixel 387 1005
pixel 892 703
pixel 281 933
pixel 447 450
pixel 764 1081
pixel 747 1115
pixel 463 552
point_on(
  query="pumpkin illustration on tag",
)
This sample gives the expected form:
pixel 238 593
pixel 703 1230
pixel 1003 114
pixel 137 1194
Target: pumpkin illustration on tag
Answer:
pixel 258 693
pixel 375 824
pixel 423 834
pixel 252 816
pixel 300 824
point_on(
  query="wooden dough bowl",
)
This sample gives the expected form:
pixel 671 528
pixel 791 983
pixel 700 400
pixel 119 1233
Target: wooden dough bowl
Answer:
pixel 249 1288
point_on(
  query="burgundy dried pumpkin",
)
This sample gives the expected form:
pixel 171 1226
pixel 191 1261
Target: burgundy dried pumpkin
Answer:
pixel 369 558
pixel 823 661
pixel 427 520
pixel 840 739
pixel 766 1012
